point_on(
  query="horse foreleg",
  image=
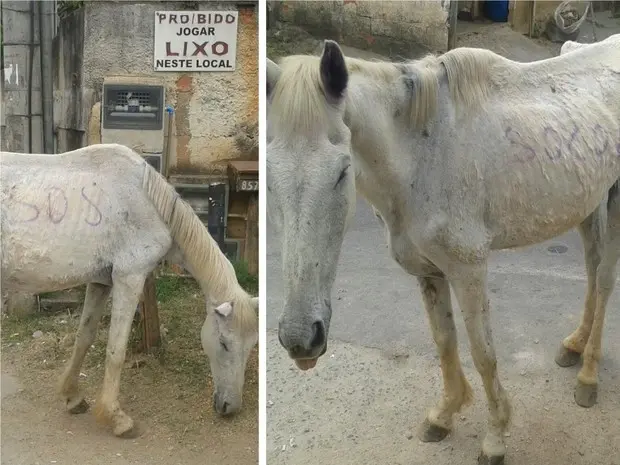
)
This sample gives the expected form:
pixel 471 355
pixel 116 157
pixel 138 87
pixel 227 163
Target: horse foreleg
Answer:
pixel 457 391
pixel 471 292
pixel 126 292
pixel 587 379
pixel 94 303
pixel 592 234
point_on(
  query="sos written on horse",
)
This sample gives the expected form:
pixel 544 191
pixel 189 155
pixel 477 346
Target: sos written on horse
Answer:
pixel 101 216
pixel 459 154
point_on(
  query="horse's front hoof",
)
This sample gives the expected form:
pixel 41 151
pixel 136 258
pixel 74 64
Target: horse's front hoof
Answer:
pixel 484 459
pixel 130 432
pixel 586 394
pixel 77 408
pixel 432 433
pixel 125 427
pixel 566 357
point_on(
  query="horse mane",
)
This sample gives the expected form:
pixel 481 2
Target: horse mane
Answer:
pixel 469 78
pixel 299 104
pixel 471 73
pixel 298 97
pixel 214 271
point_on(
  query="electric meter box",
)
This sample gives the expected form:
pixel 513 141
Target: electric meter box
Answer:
pixel 132 114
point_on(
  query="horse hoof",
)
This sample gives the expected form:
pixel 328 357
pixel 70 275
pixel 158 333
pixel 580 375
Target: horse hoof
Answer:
pixel 484 459
pixel 80 407
pixel 586 394
pixel 566 357
pixel 128 430
pixel 432 433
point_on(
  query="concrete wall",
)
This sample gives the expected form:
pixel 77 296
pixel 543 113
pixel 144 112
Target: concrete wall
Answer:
pixel 372 24
pixel 14 116
pixel 216 113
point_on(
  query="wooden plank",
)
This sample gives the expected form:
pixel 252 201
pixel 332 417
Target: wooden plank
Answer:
pixel 236 228
pixel 244 167
pixel 251 236
pixel 151 338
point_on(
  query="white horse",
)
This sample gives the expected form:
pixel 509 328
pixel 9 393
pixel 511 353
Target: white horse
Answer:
pixel 459 154
pixel 101 215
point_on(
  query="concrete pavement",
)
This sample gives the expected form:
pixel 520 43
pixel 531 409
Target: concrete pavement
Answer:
pixel 366 397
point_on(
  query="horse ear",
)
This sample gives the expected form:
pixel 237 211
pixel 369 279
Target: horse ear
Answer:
pixel 255 304
pixel 224 310
pixel 334 74
pixel 273 74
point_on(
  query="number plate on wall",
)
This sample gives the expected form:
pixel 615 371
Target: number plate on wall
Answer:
pixel 247 185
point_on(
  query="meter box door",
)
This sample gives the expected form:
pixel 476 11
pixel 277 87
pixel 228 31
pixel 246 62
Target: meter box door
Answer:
pixel 132 114
pixel 243 210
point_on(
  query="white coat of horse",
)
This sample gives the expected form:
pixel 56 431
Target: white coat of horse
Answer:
pixel 102 216
pixel 459 154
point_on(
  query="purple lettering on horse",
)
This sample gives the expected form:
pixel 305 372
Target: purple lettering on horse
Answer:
pixel 558 141
pixel 56 218
pixel 36 211
pixel 598 132
pixel 92 204
pixel 573 136
pixel 512 136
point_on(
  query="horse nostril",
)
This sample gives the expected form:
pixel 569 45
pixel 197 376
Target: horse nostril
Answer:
pixel 318 335
pixel 296 351
pixel 280 339
pixel 225 407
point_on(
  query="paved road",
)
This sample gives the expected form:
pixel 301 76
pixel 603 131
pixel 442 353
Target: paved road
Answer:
pixel 364 400
pixel 536 293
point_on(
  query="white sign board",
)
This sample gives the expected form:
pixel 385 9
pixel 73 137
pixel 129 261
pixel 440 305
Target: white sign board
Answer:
pixel 195 40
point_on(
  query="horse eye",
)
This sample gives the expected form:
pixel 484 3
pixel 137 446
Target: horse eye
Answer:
pixel 224 346
pixel 343 174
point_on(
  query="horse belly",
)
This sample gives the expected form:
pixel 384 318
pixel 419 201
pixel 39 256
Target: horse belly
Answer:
pixel 552 165
pixel 523 212
pixel 39 260
pixel 58 234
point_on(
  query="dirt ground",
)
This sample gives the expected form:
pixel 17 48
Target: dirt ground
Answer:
pixel 168 395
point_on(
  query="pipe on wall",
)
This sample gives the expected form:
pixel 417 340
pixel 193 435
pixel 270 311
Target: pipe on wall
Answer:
pixel 46 37
pixel 30 73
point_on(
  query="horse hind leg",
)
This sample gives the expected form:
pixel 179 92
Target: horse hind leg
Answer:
pixel 587 379
pixel 457 391
pixel 592 232
pixel 126 292
pixel 94 303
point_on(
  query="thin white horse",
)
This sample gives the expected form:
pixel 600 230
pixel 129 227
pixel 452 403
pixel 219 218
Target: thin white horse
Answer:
pixel 101 215
pixel 459 154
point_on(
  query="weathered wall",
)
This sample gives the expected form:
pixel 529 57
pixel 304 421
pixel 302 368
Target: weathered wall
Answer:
pixel 71 100
pixel 213 110
pixel 14 117
pixel 373 24
pixel 521 12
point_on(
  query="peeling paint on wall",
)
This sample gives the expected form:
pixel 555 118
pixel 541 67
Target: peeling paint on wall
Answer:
pixel 366 23
pixel 210 108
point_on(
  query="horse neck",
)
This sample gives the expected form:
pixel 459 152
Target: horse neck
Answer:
pixel 217 279
pixel 382 166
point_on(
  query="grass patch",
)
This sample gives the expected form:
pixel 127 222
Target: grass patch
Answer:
pixel 247 281
pixel 182 310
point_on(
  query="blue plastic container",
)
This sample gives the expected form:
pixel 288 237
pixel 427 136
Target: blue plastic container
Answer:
pixel 496 10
